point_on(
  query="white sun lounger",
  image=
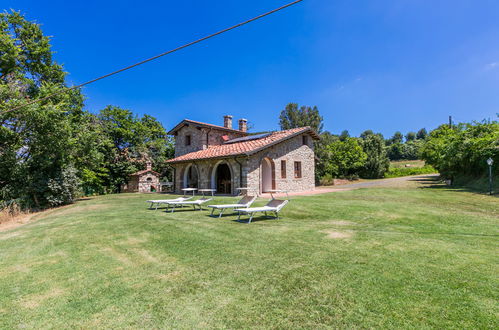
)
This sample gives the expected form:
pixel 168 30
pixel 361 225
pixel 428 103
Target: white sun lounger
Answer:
pixel 194 204
pixel 158 202
pixel 274 206
pixel 245 202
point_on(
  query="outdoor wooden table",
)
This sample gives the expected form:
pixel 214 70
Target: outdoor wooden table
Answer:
pixel 276 191
pixel 185 190
pixel 212 191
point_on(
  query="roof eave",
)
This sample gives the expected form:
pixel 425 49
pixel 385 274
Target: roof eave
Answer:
pixel 173 161
pixel 308 130
pixel 192 122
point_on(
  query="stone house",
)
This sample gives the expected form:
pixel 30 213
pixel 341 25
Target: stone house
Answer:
pixel 143 181
pixel 223 158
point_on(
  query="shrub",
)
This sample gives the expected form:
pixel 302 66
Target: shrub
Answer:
pixel 406 171
pixel 377 162
pixel 344 158
pixel 463 150
pixel 62 189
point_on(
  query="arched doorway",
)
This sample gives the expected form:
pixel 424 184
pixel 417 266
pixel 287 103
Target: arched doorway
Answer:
pixel 268 175
pixel 191 177
pixel 223 179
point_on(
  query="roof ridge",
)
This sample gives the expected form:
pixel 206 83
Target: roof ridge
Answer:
pixel 206 124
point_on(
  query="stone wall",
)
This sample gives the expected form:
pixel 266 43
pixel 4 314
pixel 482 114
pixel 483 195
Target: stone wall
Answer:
pixel 201 138
pixel 139 183
pixel 145 185
pixel 206 175
pixel 290 150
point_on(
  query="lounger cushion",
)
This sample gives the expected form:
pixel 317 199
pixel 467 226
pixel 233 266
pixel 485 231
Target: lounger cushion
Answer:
pixel 258 209
pixel 227 206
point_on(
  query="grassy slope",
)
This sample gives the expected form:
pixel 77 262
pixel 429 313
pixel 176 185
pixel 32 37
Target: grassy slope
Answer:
pixel 416 258
pixel 402 163
pixel 417 167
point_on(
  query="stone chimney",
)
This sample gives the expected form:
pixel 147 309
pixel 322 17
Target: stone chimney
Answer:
pixel 243 125
pixel 228 121
pixel 149 166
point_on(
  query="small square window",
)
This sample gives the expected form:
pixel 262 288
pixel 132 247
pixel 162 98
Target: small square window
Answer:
pixel 283 169
pixel 187 140
pixel 297 170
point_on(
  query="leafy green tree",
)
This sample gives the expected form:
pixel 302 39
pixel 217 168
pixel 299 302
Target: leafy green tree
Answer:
pixel 463 149
pixel 37 142
pixel 344 158
pixel 366 133
pixel 377 162
pixel 397 138
pixel 345 134
pixel 132 142
pixel 411 150
pixel 395 151
pixel 411 136
pixel 421 134
pixel 321 153
pixel 292 117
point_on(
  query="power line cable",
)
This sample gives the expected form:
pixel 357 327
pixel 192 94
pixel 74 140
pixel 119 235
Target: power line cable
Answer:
pixel 156 57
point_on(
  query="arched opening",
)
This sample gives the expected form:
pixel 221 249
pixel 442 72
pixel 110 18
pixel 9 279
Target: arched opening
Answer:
pixel 223 179
pixel 191 177
pixel 268 175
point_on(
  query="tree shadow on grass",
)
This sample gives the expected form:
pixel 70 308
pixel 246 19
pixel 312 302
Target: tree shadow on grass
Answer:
pixel 84 199
pixel 435 182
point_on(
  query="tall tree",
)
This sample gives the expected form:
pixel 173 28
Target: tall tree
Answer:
pixel 293 116
pixel 132 142
pixel 411 136
pixel 366 133
pixel 397 138
pixel 37 142
pixel 321 153
pixel 345 134
pixel 377 161
pixel 344 158
pixel 421 134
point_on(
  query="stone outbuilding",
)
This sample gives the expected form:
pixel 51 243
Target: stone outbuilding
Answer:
pixel 219 157
pixel 143 181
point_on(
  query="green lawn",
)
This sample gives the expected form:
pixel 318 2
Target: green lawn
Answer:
pixel 402 163
pixel 392 258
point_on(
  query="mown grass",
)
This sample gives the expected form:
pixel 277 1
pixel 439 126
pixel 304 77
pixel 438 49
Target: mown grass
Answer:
pixel 403 163
pixel 397 172
pixel 409 258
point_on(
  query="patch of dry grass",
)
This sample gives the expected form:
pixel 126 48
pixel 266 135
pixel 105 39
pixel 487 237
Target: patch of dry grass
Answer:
pixel 337 234
pixel 35 300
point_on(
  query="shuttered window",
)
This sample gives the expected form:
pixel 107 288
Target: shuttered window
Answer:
pixel 297 170
pixel 283 169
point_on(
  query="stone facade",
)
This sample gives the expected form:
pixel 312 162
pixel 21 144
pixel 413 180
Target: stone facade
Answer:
pixel 143 181
pixel 289 151
pixel 200 138
pixel 259 172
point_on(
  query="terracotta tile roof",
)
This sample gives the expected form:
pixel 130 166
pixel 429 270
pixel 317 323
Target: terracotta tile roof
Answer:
pixel 188 121
pixel 244 147
pixel 144 172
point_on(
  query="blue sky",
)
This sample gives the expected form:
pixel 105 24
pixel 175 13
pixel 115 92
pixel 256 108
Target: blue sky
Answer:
pixel 380 65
